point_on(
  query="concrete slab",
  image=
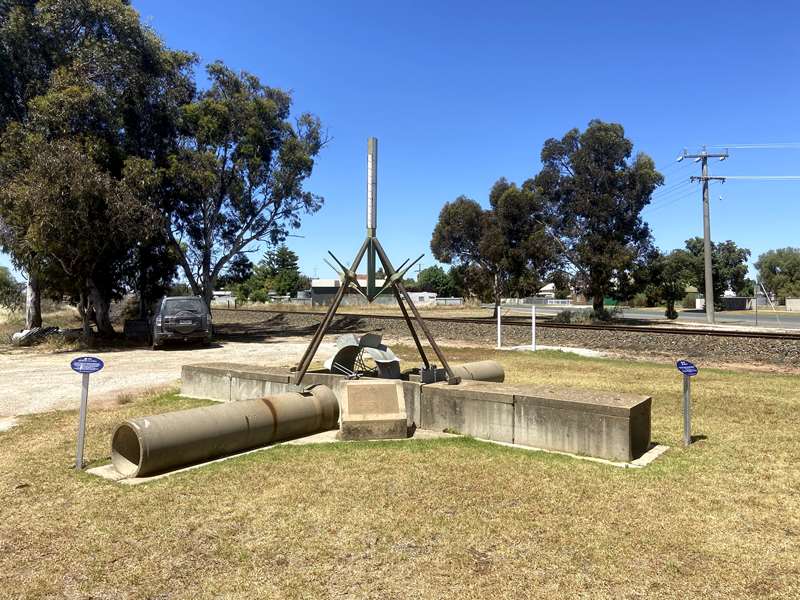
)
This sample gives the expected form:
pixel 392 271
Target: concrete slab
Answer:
pixel 611 426
pixel 7 423
pixel 579 351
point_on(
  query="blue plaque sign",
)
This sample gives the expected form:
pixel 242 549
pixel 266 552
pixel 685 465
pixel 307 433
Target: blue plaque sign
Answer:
pixel 687 368
pixel 86 364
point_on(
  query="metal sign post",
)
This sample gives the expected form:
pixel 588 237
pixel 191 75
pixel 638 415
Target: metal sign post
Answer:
pixel 85 365
pixel 689 371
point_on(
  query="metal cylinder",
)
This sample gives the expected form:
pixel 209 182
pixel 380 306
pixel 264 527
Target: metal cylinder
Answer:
pixel 148 445
pixel 483 370
pixel 372 185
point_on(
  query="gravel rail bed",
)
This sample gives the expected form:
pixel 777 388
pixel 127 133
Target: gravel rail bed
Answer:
pixel 716 349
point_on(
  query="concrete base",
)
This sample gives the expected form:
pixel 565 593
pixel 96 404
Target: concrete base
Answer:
pixel 373 410
pixel 605 425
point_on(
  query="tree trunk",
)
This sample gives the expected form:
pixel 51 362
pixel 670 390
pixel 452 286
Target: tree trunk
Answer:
pixel 670 312
pixel 496 295
pixel 597 302
pixel 33 302
pixel 101 312
pixel 142 299
pixel 84 313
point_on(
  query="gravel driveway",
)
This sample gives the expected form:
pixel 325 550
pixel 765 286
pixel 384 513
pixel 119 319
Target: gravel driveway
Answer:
pixel 32 382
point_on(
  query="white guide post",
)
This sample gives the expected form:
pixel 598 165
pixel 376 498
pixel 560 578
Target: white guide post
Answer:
pixel 533 327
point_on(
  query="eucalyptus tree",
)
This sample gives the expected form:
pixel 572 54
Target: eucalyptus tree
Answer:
pixel 238 178
pixel 597 193
pixel 86 78
pixel 503 249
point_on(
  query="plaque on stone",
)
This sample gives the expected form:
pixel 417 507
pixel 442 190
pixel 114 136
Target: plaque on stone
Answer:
pixel 373 410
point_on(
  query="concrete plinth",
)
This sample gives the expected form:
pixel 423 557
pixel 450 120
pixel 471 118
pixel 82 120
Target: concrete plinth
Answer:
pixel 373 410
pixel 605 425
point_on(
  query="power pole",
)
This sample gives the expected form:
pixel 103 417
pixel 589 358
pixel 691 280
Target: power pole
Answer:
pixel 703 157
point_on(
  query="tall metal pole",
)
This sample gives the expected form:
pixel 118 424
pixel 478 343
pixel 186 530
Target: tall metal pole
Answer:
pixel 703 157
pixel 709 291
pixel 372 214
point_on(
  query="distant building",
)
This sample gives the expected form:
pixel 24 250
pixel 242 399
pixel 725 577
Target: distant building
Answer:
pixel 547 291
pixel 324 290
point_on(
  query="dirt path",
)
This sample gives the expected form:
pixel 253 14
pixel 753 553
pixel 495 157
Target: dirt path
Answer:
pixel 32 382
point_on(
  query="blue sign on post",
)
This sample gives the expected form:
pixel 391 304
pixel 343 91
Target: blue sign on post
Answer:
pixel 689 371
pixel 86 364
pixel 687 368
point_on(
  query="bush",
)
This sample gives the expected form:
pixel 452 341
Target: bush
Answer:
pixel 640 300
pixel 259 296
pixel 568 316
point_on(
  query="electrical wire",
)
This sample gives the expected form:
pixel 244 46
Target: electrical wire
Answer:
pixel 764 177
pixel 777 146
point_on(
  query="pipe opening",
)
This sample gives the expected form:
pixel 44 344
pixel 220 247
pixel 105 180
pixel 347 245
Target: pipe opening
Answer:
pixel 126 451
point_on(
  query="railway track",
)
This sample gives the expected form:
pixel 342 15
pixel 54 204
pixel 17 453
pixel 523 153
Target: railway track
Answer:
pixel 513 321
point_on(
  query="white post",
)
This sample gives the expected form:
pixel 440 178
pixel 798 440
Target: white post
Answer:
pixel 82 422
pixel 533 327
pixel 499 330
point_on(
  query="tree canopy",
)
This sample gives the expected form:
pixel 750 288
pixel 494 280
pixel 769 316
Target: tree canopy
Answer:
pixel 728 264
pixel 238 178
pixel 11 294
pixel 435 279
pixel 91 91
pixel 779 271
pixel 505 248
pixel 596 195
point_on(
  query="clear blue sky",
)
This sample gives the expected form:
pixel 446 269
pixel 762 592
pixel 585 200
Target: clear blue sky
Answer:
pixel 462 93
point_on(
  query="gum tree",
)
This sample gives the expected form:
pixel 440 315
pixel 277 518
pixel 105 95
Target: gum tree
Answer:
pixel 238 177
pixel 597 193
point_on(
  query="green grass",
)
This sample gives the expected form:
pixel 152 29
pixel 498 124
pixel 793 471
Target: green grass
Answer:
pixel 444 518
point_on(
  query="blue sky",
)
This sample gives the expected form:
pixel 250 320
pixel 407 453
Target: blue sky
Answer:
pixel 462 93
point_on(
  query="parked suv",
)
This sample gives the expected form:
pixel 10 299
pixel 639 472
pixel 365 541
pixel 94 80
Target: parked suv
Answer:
pixel 181 318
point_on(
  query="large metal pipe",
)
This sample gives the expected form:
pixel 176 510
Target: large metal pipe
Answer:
pixel 484 370
pixel 372 186
pixel 154 444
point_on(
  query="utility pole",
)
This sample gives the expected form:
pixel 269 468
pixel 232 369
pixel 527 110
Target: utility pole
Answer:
pixel 703 157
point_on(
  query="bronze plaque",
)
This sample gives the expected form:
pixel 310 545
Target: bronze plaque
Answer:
pixel 372 399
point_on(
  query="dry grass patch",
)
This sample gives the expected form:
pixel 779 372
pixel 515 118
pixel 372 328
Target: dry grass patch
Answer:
pixel 444 518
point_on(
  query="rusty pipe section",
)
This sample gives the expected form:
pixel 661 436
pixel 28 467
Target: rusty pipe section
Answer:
pixel 483 370
pixel 149 445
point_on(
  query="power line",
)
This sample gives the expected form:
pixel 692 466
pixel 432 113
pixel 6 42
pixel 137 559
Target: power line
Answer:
pixel 670 189
pixel 653 209
pixel 763 177
pixel 777 146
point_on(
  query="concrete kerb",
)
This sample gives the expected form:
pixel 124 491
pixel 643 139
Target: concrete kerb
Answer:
pixel 643 461
pixel 329 437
